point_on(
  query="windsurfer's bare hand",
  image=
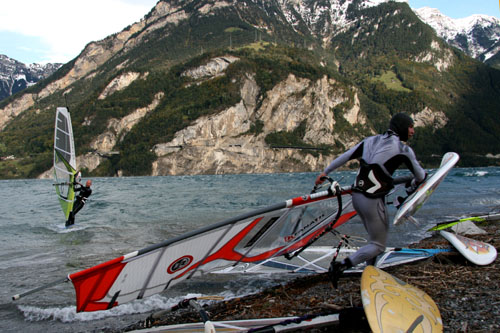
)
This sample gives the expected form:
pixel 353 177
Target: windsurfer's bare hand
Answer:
pixel 320 179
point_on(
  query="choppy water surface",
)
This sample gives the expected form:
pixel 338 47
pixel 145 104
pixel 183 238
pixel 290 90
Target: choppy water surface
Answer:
pixel 126 214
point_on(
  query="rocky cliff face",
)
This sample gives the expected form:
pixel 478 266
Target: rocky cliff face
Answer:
pixel 222 143
pixel 116 128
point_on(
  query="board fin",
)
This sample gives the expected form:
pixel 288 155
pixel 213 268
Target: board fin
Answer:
pixel 413 220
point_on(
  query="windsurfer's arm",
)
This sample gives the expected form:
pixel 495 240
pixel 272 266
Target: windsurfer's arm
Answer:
pixel 412 185
pixel 354 152
pixel 78 187
pixel 418 172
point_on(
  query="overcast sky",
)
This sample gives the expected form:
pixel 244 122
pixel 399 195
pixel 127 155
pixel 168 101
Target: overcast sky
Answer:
pixel 57 30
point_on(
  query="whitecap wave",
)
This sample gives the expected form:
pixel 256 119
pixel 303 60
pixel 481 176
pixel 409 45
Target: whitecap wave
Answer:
pixel 488 202
pixel 476 173
pixel 62 229
pixel 68 314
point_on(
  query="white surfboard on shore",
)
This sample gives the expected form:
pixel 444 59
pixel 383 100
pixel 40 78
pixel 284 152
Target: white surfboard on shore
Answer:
pixel 424 191
pixel 283 324
pixel 480 253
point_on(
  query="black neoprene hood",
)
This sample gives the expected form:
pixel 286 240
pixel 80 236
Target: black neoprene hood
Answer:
pixel 399 124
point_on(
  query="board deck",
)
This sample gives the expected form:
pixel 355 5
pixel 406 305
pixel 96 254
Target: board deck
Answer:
pixel 424 191
pixel 479 253
pixel 392 305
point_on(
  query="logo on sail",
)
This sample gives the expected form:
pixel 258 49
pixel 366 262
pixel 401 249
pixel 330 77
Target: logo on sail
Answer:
pixel 179 264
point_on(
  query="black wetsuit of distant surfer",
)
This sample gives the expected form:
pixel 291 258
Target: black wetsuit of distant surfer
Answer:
pixel 379 156
pixel 83 193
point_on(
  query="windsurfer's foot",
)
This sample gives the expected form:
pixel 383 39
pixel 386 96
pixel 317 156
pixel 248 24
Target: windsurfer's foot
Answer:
pixel 371 261
pixel 71 220
pixel 336 270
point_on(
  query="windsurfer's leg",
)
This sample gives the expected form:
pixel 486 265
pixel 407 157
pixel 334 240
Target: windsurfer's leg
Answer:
pixel 78 205
pixel 373 214
pixel 336 270
pixel 71 219
pixel 374 217
pixel 76 208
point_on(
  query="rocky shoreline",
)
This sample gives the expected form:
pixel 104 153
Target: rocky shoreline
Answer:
pixel 467 295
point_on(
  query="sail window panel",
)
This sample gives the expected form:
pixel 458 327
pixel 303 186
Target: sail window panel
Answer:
pixel 290 227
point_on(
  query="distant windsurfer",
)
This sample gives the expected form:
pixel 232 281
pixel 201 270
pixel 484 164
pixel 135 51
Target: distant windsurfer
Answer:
pixel 83 193
pixel 380 156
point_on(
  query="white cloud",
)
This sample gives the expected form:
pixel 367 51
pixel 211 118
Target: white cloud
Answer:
pixel 66 26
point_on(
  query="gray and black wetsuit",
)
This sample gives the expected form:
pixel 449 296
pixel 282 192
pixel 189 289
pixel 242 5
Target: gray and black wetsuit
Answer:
pixel 379 156
pixel 81 199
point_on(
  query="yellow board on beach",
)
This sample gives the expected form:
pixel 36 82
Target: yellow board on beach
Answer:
pixel 392 305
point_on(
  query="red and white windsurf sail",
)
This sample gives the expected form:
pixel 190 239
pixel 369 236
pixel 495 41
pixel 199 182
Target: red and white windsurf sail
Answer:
pixel 252 237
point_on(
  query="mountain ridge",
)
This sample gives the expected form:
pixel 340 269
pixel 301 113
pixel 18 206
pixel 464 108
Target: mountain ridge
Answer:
pixel 476 35
pixel 16 76
pixel 296 83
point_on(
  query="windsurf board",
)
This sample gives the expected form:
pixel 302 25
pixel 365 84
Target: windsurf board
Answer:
pixel 316 259
pixel 62 229
pixel 480 253
pixel 476 219
pixel 282 324
pixel 392 305
pixel 424 191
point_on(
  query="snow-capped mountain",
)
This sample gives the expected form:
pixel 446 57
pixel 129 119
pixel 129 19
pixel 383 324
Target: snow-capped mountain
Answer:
pixel 16 76
pixel 476 35
pixel 324 17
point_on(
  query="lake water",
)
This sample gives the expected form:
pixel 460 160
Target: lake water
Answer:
pixel 127 214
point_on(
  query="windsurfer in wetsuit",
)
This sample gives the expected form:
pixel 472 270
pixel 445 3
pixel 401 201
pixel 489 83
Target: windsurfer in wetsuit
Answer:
pixel 379 156
pixel 83 193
